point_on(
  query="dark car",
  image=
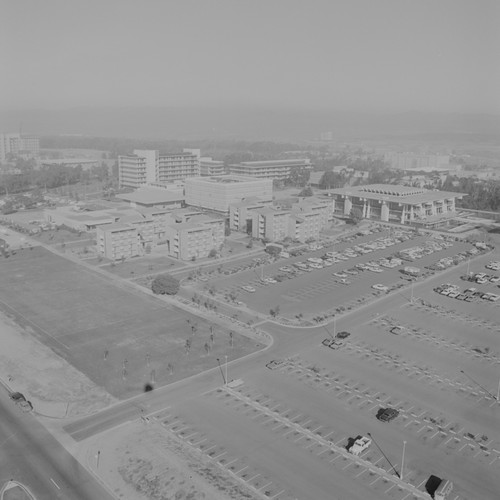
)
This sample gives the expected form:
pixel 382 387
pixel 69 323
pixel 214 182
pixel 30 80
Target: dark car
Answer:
pixel 396 330
pixel 17 396
pixel 342 335
pixel 275 363
pixel 332 343
pixel 387 414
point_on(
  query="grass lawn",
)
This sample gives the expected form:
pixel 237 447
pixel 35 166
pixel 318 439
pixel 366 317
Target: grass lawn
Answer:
pixel 139 266
pixel 120 339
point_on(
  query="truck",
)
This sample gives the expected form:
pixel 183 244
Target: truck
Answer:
pixel 360 444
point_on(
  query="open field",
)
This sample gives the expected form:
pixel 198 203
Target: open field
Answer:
pixel 121 339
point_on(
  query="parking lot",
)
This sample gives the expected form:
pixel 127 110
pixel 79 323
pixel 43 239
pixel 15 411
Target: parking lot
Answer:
pixel 336 278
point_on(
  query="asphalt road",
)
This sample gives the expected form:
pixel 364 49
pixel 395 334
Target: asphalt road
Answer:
pixel 33 457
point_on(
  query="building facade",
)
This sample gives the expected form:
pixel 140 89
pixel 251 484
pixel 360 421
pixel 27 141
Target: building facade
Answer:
pixel 27 146
pixel 272 169
pixel 270 224
pixel 400 204
pixel 209 167
pixel 219 192
pixel 194 239
pixel 240 214
pixel 416 161
pixel 117 241
pixel 149 166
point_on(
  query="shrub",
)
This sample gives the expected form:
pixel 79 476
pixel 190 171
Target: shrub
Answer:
pixel 165 284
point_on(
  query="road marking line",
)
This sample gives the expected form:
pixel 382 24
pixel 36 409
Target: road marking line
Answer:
pixel 317 428
pixel 265 486
pixel 277 494
pixel 232 461
pixel 336 444
pixel 375 463
pixel 211 448
pixel 256 475
pixel 375 480
pixel 55 484
pixel 321 452
pixel 390 488
pixel 418 487
pixel 299 438
pixel 448 440
pixel 334 458
pixel 241 470
pixel 362 472
pixel 191 435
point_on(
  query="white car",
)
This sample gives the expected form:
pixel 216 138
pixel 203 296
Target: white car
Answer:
pixel 328 262
pixel 248 288
pixel 380 287
pixel 343 281
pixel 375 269
pixel 361 444
pixel 315 265
pixel 270 280
pixel 340 275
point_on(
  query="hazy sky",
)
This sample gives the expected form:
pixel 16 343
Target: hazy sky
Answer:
pixel 388 55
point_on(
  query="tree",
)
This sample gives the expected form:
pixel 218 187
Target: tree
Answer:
pixel 356 215
pixel 165 284
pixel 307 191
pixel 212 253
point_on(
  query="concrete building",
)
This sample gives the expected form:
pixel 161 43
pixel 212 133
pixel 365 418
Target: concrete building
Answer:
pixel 399 204
pixel 173 167
pixel 304 225
pixel 194 239
pixel 27 146
pixel 149 197
pixel 138 169
pixel 272 169
pixel 219 192
pixel 149 166
pixel 240 214
pixel 323 207
pixel 118 241
pixel 417 161
pixel 209 167
pixel 270 223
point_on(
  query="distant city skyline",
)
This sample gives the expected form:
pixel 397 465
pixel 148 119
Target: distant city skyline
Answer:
pixel 361 55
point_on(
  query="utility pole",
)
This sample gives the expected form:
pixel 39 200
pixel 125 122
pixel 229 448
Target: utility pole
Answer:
pixel 222 373
pixel 226 369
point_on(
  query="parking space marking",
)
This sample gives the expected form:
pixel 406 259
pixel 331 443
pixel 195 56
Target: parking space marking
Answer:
pixel 390 488
pixel 249 480
pixel 375 480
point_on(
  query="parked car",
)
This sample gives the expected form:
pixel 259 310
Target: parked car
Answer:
pixel 248 288
pixel 387 414
pixel 380 287
pixel 342 335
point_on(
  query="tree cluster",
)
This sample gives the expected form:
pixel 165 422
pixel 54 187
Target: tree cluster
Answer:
pixel 165 284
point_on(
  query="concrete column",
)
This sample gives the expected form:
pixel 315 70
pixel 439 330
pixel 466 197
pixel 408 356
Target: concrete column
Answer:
pixel 347 206
pixel 384 212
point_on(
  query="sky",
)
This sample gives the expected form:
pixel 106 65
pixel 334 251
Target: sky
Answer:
pixel 353 55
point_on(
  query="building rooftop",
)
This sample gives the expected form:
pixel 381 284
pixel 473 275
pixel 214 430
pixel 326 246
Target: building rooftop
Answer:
pixel 397 194
pixel 151 196
pixel 263 163
pixel 117 226
pixel 225 179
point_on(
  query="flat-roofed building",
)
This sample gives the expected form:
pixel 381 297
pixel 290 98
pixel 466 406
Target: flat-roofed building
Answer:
pixel 209 167
pixel 194 239
pixel 172 167
pixel 271 169
pixel 150 166
pixel 137 169
pixel 391 203
pixel 304 226
pixel 117 241
pixel 149 197
pixel 417 161
pixel 270 223
pixel 219 192
pixel 240 213
pixel 323 207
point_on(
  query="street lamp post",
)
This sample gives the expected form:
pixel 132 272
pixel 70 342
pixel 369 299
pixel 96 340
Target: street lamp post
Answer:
pixel 485 390
pixel 226 369
pixel 498 391
pixel 403 461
